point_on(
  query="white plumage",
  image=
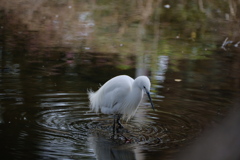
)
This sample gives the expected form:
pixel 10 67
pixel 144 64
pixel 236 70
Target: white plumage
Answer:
pixel 120 95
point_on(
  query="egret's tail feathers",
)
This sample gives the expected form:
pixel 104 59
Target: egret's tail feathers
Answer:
pixel 94 101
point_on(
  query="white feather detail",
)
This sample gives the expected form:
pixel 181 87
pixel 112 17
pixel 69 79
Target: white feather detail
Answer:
pixel 119 95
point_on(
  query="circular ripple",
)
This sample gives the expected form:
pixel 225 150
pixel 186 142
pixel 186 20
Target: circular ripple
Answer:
pixel 77 124
pixel 62 120
pixel 172 131
pixel 66 115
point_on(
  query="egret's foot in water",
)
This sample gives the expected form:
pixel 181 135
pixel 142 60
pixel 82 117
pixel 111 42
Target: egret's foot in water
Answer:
pixel 121 139
pixel 127 140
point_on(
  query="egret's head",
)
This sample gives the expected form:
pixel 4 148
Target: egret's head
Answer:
pixel 144 83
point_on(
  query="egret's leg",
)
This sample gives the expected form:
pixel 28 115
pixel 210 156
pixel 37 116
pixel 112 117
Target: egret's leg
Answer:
pixel 118 121
pixel 114 126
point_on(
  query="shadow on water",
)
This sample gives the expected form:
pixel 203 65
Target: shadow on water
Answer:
pixel 220 142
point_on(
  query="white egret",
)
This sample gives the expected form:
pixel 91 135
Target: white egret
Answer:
pixel 120 96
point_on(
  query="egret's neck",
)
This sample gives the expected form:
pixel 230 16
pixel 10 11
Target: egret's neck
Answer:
pixel 133 100
pixel 136 95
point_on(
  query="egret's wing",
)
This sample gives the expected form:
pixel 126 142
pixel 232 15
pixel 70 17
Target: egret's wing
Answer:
pixel 115 91
pixel 114 95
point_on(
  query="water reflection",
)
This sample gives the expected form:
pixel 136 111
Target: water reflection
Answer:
pixel 52 52
pixel 52 110
pixel 107 149
pixel 162 68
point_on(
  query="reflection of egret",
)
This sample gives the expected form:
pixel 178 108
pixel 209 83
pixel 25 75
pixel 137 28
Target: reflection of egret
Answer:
pixel 109 150
pixel 120 96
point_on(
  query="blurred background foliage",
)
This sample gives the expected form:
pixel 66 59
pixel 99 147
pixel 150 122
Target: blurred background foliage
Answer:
pixel 183 29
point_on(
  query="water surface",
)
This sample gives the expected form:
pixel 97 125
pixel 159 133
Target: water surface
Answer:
pixel 54 52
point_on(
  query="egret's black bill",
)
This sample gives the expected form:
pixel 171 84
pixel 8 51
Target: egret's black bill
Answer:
pixel 150 99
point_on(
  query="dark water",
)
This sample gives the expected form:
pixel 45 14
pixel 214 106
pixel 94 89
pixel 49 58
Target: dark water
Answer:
pixel 47 66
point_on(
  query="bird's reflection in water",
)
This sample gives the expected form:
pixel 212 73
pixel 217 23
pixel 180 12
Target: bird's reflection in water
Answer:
pixel 109 149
